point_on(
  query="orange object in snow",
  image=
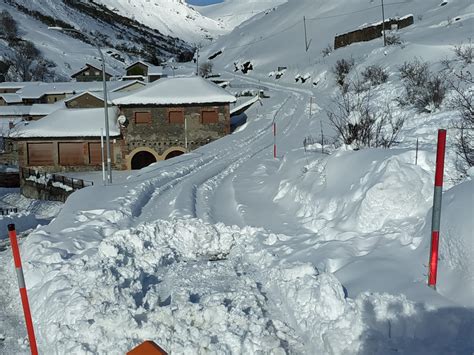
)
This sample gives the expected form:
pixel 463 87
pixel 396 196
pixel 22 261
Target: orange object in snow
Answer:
pixel 147 348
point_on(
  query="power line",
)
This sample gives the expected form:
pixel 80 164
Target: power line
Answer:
pixel 261 39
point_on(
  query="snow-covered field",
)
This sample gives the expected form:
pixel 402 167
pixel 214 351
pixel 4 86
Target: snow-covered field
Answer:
pixel 226 250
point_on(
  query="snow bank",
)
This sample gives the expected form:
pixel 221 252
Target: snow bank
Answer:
pixel 360 192
pixel 456 253
pixel 194 287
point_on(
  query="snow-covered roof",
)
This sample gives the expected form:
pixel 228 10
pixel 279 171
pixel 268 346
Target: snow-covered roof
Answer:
pixel 33 110
pixel 71 123
pixel 35 90
pixel 11 98
pixel 128 83
pixel 100 95
pixel 177 91
pixel 13 85
pixel 97 65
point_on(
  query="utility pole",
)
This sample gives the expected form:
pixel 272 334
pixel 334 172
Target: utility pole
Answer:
pixel 197 59
pixel 383 25
pixel 307 44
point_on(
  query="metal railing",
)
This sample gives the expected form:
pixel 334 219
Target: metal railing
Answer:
pixel 49 179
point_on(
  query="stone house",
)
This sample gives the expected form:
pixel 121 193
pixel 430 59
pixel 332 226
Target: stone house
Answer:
pixel 68 140
pixel 170 117
pixel 144 71
pixel 90 73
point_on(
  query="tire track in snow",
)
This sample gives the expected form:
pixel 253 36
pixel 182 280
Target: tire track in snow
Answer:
pixel 207 191
pixel 157 194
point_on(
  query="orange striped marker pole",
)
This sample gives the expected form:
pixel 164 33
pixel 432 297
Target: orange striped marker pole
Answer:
pixel 436 217
pixel 21 284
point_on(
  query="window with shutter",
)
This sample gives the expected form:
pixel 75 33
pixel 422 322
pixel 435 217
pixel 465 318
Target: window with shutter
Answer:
pixel 71 153
pixel 209 116
pixel 40 154
pixel 142 117
pixel 176 116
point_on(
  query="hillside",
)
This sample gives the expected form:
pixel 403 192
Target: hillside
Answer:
pixel 171 17
pixel 121 38
pixel 232 13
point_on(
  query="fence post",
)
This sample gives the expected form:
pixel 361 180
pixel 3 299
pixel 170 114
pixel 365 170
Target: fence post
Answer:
pixel 416 154
pixel 436 217
pixel 274 140
pixel 22 286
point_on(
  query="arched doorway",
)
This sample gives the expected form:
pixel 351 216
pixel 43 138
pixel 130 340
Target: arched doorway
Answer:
pixel 142 159
pixel 173 153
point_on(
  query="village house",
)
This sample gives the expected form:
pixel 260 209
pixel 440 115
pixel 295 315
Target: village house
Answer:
pixel 170 117
pixel 144 71
pixel 90 73
pixel 68 140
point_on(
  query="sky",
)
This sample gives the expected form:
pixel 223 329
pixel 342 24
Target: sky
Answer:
pixel 203 2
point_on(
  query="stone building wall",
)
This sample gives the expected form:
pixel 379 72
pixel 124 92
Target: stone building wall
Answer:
pixel 160 135
pixel 371 32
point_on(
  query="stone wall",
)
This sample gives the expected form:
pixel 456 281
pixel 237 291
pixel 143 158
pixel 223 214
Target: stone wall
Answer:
pixel 160 135
pixel 371 32
pixel 37 191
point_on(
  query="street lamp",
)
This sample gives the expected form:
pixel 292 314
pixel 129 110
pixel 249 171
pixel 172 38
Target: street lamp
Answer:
pixel 106 111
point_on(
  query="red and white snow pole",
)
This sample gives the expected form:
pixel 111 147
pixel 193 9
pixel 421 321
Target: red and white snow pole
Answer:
pixel 21 284
pixel 274 140
pixel 436 217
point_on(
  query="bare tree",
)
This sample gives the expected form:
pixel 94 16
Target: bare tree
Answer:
pixel 23 59
pixel 205 69
pixel 461 81
pixel 8 26
pixel 341 69
pixel 361 125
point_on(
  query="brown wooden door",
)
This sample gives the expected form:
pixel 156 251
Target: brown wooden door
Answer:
pixel 40 154
pixel 95 156
pixel 71 154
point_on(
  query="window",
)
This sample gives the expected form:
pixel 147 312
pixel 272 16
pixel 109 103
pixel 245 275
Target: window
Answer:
pixel 176 116
pixel 40 154
pixel 95 156
pixel 142 117
pixel 71 153
pixel 97 72
pixel 209 116
pixel 86 73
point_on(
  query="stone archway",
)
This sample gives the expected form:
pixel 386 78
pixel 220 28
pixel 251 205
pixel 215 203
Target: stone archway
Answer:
pixel 141 157
pixel 173 152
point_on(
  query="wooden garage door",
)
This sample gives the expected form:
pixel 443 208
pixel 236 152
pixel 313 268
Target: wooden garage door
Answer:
pixel 71 154
pixel 176 116
pixel 95 157
pixel 40 154
pixel 209 116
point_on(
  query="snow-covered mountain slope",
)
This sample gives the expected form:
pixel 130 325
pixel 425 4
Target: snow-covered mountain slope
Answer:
pixel 121 39
pixel 171 17
pixel 277 38
pixel 232 13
